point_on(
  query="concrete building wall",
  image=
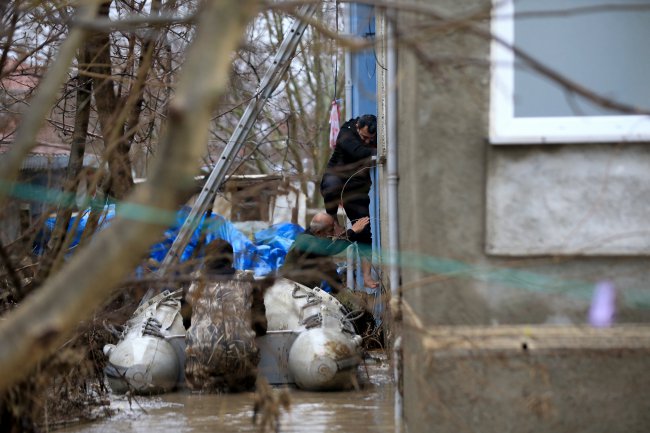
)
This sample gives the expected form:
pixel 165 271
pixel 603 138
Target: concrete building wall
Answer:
pixel 451 275
pixel 453 184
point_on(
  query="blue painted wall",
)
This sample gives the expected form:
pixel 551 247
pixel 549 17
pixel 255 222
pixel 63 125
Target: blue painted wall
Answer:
pixel 363 64
pixel 364 101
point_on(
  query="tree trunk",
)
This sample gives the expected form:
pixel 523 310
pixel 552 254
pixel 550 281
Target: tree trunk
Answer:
pixel 109 109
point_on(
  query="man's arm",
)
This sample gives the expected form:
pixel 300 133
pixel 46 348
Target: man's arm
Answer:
pixel 353 146
pixel 357 227
pixel 310 244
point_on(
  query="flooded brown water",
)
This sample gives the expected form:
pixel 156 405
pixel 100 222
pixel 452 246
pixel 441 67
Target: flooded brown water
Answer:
pixel 369 409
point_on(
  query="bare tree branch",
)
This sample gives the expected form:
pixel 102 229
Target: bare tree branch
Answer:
pixel 41 323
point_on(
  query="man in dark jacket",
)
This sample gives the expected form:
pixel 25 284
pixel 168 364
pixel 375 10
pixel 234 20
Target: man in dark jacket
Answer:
pixel 347 179
pixel 309 261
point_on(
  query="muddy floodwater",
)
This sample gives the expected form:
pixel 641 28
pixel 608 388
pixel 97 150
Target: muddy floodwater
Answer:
pixel 369 409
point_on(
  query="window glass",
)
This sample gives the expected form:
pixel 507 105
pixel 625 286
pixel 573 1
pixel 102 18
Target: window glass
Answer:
pixel 602 44
pixel 599 45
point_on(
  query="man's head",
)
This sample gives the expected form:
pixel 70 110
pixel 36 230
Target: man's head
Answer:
pixel 367 129
pixel 322 224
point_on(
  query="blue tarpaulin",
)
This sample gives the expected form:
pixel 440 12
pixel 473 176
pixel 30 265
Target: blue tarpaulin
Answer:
pixel 272 245
pixel 263 255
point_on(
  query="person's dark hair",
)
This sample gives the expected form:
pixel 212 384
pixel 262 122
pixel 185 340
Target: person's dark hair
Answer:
pixel 369 120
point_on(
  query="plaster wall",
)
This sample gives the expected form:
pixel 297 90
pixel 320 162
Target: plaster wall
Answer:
pixel 516 380
pixel 583 200
pixel 452 184
pixel 468 256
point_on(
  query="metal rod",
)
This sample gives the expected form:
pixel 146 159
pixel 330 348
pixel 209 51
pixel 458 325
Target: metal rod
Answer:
pixel 269 82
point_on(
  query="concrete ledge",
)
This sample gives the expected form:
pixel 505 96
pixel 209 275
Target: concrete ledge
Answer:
pixel 529 379
pixel 537 337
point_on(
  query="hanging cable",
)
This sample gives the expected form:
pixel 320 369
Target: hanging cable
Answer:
pixel 336 57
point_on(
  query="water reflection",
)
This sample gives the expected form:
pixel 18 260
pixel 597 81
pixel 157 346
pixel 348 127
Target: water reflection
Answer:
pixel 367 410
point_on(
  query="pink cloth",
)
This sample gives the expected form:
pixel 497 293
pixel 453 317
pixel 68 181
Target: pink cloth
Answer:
pixel 335 120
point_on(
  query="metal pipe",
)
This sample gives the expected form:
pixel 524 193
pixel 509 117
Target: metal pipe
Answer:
pixel 392 182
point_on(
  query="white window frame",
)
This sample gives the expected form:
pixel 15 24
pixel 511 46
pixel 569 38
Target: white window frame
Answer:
pixel 505 128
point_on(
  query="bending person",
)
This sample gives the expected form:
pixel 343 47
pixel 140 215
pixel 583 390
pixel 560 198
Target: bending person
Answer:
pixel 309 261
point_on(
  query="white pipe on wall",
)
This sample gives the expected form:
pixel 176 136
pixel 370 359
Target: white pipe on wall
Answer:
pixel 392 181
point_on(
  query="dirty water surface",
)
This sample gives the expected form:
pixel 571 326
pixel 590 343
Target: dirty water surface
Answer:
pixel 369 409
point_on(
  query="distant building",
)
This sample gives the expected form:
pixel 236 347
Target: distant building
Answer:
pixel 257 201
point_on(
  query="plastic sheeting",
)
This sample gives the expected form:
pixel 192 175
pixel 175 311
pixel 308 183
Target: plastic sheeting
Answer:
pixel 272 245
pixel 263 255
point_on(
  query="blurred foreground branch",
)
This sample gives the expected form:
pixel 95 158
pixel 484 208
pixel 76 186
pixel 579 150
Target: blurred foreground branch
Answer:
pixel 41 323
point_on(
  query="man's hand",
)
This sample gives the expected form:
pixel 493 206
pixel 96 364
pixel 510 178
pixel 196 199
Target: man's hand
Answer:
pixel 360 224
